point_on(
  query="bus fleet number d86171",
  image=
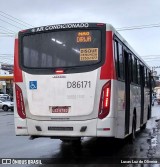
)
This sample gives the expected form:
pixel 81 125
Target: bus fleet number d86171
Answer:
pixel 79 84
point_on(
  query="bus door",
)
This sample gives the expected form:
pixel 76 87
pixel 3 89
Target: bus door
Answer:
pixel 127 91
pixel 142 82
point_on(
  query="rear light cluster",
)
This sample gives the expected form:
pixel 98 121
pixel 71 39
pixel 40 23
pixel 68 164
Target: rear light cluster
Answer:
pixel 105 101
pixel 20 102
pixel 17 70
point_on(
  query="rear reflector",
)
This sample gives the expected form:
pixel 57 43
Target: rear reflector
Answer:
pixel 20 102
pixel 20 127
pixel 104 105
pixel 38 128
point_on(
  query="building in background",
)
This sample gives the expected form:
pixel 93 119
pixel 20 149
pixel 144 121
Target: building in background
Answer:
pixel 6 79
pixel 156 77
pixel 3 83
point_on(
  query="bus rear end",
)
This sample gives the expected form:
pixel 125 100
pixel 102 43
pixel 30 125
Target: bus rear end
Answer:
pixel 58 91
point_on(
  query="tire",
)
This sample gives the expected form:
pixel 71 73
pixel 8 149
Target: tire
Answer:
pixel 5 108
pixel 76 144
pixel 143 127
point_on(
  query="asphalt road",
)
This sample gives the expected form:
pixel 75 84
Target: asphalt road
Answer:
pixel 92 150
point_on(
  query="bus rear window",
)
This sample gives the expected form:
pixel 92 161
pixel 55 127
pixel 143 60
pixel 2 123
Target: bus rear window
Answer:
pixel 61 49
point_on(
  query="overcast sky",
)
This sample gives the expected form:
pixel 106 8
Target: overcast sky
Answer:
pixel 122 13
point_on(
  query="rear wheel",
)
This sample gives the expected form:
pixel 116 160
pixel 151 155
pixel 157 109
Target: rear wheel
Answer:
pixel 76 142
pixel 144 126
pixel 5 108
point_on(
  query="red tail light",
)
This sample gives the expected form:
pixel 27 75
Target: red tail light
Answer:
pixel 59 72
pixel 17 70
pixel 20 102
pixel 105 101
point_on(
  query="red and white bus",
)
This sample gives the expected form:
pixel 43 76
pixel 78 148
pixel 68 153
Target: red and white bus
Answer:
pixel 78 80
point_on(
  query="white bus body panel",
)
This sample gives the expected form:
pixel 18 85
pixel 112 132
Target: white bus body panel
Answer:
pixel 107 123
pixel 52 91
pixel 119 93
pixel 135 103
pixel 21 128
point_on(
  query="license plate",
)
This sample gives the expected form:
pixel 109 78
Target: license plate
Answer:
pixel 62 109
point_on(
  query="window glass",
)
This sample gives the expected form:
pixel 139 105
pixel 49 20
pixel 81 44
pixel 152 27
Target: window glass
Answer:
pixel 121 61
pixel 131 67
pixel 148 82
pixel 61 49
pixel 135 77
pixel 145 72
pixel 138 71
pixel 116 57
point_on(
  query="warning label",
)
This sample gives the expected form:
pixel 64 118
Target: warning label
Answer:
pixel 88 54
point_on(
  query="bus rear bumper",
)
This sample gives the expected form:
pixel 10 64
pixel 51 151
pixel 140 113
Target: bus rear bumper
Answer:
pixel 21 128
pixel 106 127
pixel 62 128
pixel 87 128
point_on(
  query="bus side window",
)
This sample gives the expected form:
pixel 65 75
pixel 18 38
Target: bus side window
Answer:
pixel 131 67
pixel 147 79
pixel 142 75
pixel 145 72
pixel 133 74
pixel 135 78
pixel 138 70
pixel 121 62
pixel 116 57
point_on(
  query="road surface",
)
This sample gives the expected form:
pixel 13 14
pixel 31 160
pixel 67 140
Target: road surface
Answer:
pixel 92 151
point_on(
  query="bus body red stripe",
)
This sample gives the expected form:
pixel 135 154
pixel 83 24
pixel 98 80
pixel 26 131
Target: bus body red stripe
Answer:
pixel 108 69
pixel 17 70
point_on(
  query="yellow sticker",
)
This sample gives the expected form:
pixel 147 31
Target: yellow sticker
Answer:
pixel 88 54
